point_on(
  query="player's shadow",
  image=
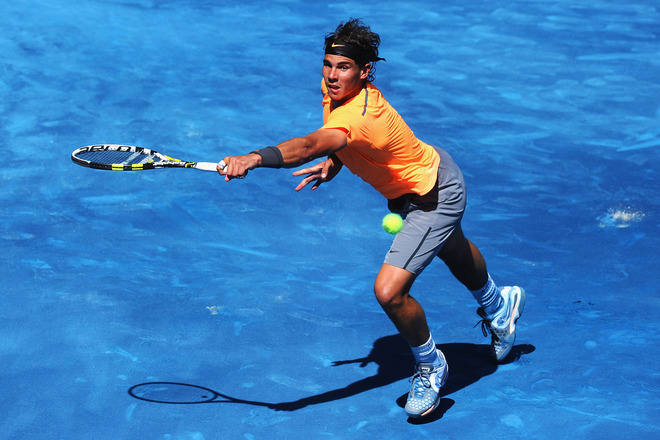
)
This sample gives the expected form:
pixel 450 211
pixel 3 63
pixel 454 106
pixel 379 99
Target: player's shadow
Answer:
pixel 467 362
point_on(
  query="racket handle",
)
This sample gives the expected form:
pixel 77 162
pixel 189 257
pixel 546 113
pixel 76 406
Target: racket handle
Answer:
pixel 210 166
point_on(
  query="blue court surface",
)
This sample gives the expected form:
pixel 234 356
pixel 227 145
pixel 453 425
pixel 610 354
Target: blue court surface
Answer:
pixel 259 299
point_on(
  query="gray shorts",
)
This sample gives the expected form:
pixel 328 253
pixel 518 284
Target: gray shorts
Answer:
pixel 428 220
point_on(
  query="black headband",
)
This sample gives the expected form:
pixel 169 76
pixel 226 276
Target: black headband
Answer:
pixel 348 50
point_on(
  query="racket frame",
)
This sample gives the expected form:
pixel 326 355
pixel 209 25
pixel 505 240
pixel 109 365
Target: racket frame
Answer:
pixel 163 161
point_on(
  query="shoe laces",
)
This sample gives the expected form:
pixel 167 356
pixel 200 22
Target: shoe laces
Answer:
pixel 484 322
pixel 421 381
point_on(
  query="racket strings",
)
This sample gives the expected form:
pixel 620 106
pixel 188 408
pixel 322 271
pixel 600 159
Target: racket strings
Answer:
pixel 119 157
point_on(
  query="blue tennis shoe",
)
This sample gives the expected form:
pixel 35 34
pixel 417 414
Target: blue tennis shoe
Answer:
pixel 424 394
pixel 502 325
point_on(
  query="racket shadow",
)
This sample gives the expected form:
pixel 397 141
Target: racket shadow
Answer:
pixel 468 363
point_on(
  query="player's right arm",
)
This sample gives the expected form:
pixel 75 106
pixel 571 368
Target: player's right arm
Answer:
pixel 321 172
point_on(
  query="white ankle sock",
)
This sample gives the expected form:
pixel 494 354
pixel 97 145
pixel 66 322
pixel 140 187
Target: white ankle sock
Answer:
pixel 427 353
pixel 488 297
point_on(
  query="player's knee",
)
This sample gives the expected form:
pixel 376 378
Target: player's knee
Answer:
pixel 388 297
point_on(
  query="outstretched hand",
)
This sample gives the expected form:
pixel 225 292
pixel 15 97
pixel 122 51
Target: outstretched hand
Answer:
pixel 322 172
pixel 237 167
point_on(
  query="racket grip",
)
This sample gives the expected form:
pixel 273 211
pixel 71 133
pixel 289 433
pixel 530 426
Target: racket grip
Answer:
pixel 210 166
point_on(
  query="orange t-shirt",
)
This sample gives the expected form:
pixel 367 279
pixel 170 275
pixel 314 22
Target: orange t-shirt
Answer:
pixel 381 149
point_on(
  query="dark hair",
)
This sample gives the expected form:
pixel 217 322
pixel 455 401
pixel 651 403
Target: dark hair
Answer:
pixel 357 33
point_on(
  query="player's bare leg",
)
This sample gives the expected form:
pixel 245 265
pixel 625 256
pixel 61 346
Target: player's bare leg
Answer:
pixel 464 260
pixel 499 308
pixel 392 290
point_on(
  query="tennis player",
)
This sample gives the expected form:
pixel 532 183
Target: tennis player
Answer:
pixel 422 183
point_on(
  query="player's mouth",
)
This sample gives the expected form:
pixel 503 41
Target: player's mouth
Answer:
pixel 334 91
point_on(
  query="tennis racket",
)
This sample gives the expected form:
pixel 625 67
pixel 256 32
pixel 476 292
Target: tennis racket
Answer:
pixel 128 158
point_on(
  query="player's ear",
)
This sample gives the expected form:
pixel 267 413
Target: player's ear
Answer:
pixel 364 71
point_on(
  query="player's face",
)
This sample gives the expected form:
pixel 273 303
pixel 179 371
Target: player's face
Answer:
pixel 343 78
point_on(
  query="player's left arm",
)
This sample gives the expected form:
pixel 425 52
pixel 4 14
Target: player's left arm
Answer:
pixel 322 142
pixel 294 152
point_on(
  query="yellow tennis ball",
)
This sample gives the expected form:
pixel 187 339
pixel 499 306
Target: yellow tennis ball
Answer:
pixel 392 223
